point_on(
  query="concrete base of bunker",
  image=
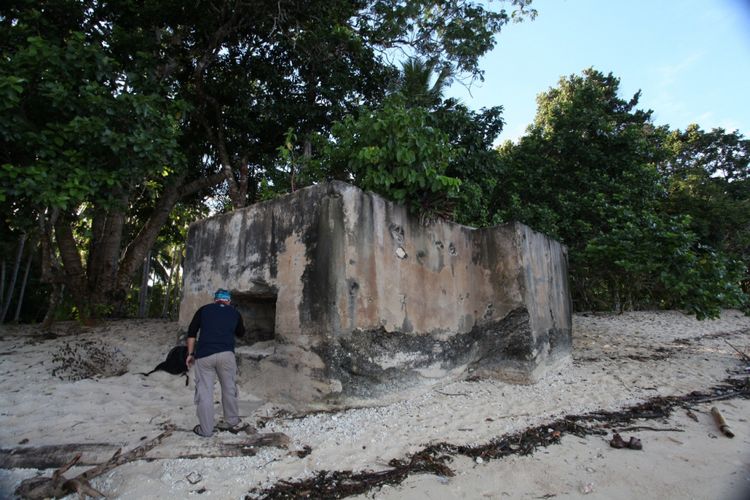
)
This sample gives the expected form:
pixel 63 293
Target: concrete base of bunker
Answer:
pixel 365 367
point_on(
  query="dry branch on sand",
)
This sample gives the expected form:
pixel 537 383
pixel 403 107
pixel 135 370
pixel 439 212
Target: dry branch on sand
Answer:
pixel 59 486
pixel 46 457
pixel 52 456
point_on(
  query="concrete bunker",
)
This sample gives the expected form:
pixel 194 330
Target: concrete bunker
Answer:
pixel 349 299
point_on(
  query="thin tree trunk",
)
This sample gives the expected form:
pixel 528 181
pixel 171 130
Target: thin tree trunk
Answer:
pixel 98 225
pixel 2 281
pixel 168 291
pixel 215 131
pixel 49 266
pixel 12 285
pixel 177 289
pixel 617 306
pixel 22 293
pixel 143 292
pixel 54 300
pixel 235 186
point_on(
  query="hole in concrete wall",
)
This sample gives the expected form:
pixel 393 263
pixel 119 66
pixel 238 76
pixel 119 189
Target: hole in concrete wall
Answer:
pixel 258 312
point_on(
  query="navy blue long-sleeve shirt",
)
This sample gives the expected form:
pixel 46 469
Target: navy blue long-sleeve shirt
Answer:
pixel 219 324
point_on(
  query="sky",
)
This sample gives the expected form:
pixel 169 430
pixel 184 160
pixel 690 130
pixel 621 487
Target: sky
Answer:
pixel 689 58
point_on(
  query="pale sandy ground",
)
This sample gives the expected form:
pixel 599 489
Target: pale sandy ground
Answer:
pixel 618 360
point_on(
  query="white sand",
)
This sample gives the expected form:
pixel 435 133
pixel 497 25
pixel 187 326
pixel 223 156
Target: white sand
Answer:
pixel 617 361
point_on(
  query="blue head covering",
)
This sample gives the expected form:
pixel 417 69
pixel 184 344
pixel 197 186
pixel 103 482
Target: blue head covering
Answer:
pixel 222 294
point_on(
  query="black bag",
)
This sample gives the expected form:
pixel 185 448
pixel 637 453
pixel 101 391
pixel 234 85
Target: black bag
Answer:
pixel 175 363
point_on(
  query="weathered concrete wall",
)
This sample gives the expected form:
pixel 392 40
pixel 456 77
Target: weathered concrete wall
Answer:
pixel 368 301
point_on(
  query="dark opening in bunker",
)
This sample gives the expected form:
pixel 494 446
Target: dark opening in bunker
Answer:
pixel 258 312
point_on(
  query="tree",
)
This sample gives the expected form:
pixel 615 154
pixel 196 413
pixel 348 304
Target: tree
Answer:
pixel 434 155
pixel 587 173
pixel 470 134
pixel 396 152
pixel 416 85
pixel 475 161
pixel 707 176
pixel 78 140
pixel 117 107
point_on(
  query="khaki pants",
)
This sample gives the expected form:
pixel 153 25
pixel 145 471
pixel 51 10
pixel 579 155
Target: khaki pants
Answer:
pixel 223 365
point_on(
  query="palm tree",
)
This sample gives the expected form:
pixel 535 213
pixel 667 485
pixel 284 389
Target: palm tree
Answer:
pixel 415 83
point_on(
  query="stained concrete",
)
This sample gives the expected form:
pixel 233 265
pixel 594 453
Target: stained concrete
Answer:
pixel 349 298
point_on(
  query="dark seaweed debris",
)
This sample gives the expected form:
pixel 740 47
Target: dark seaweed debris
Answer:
pixel 433 459
pixel 340 484
pixel 88 359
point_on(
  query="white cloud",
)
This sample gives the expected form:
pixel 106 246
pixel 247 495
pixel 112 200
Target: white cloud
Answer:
pixel 671 73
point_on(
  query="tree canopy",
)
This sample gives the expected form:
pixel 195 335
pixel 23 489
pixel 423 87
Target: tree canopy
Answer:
pixel 121 119
pixel 595 172
pixel 116 113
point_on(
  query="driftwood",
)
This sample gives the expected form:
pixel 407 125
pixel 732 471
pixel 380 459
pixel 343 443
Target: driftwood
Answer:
pixel 648 428
pixel 720 397
pixel 247 447
pixel 53 456
pixel 723 427
pixel 59 486
pixel 742 354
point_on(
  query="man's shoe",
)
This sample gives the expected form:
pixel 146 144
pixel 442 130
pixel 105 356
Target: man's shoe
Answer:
pixel 234 429
pixel 197 430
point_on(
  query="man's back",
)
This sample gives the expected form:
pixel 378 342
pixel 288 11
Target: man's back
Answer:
pixel 218 323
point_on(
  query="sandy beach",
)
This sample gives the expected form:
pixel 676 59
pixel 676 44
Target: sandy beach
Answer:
pixel 618 361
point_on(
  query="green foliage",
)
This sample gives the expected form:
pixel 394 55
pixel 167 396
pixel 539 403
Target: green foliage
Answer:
pixel 443 32
pixel 707 177
pixel 590 172
pixel 475 161
pixel 655 261
pixel 434 155
pixel 72 129
pixel 397 152
pixel 587 155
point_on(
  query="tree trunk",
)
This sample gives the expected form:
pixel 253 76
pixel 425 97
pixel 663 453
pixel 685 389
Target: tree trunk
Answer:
pixel 2 281
pixel 50 271
pixel 105 246
pixel 177 288
pixel 244 181
pixel 14 276
pixel 143 292
pixel 89 307
pixel 168 291
pixel 617 302
pixel 213 125
pixel 103 288
pixel 22 293
pixel 136 250
pixel 54 300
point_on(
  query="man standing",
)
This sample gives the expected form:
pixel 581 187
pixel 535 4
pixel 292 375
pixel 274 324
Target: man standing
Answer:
pixel 213 355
